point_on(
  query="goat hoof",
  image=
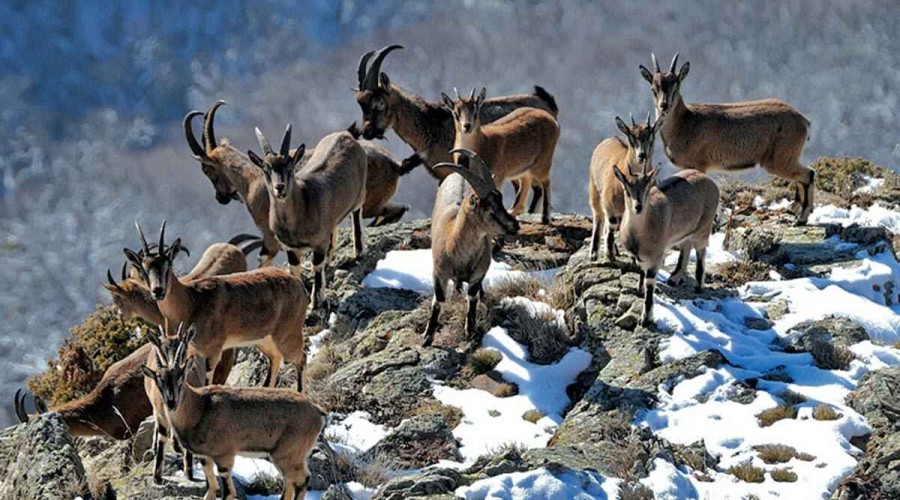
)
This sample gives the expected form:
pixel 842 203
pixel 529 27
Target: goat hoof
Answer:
pixel 157 480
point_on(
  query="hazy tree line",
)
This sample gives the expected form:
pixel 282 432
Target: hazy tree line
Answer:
pixel 93 94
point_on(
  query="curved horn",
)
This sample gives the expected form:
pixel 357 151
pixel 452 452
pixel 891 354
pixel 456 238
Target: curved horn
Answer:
pixel 196 149
pixel 124 271
pixel 112 281
pixel 286 141
pixel 631 116
pixel 479 174
pixel 471 177
pixel 655 62
pixel 674 63
pixel 19 406
pixel 40 405
pixel 456 91
pixel 371 82
pixel 481 167
pixel 648 118
pixel 361 71
pixel 209 136
pixel 264 143
pixel 162 237
pixel 144 245
pixel 472 94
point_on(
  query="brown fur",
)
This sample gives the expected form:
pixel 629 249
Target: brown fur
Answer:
pixel 425 125
pixel 736 136
pixel 330 186
pixel 464 223
pixel 518 146
pixel 676 213
pixel 607 196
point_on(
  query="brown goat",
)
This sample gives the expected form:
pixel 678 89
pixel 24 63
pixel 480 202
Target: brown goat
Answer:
pixel 518 146
pixel 606 193
pixel 468 214
pixel 216 423
pixel 734 136
pixel 306 205
pixel 265 308
pixel 425 125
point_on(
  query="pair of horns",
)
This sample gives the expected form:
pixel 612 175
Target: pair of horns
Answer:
pixel 19 405
pixel 633 124
pixel 471 94
pixel 145 247
pixel 368 78
pixel 209 135
pixel 267 148
pixel 477 174
pixel 671 67
pixel 182 340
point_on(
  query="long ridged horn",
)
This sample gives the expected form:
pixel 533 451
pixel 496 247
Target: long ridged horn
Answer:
pixel 264 143
pixel 361 70
pixel 371 82
pixel 472 94
pixel 161 247
pixel 144 245
pixel 286 141
pixel 478 175
pixel 124 271
pixel 19 406
pixel 196 149
pixel 631 117
pixel 655 62
pixel 40 405
pixel 209 135
pixel 112 281
pixel 674 63
pixel 648 118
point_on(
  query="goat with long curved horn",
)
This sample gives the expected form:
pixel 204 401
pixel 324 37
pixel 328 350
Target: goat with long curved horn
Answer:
pixel 674 63
pixel 263 143
pixel 655 62
pixel 144 245
pixel 371 81
pixel 161 247
pixel 286 141
pixel 196 150
pixel 209 136
pixel 361 70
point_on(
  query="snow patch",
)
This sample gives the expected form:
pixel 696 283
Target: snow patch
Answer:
pixel 541 484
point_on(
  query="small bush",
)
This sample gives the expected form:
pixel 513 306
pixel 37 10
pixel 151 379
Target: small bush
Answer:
pixel 560 295
pixel 546 339
pixel 324 364
pixel 843 176
pixel 635 491
pixel 521 286
pixel 265 484
pixel 481 361
pixel 775 453
pixel 506 390
pixel 747 472
pixel 533 416
pixel 792 398
pixel 783 475
pixel 772 415
pixel 452 415
pixel 99 341
pixel 825 412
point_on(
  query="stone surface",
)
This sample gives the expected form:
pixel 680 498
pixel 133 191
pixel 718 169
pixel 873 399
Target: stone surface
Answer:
pixel 416 443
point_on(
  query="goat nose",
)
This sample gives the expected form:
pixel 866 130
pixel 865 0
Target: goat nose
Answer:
pixel 157 291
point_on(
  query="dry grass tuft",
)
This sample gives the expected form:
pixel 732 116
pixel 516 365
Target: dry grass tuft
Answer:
pixel 792 398
pixel 737 273
pixel 533 416
pixel 506 390
pixel 452 415
pixel 560 295
pixel 775 453
pixel 264 483
pixel 546 339
pixel 772 415
pixel 519 286
pixel 747 472
pixel 783 475
pixel 635 491
pixel 481 361
pixel 825 412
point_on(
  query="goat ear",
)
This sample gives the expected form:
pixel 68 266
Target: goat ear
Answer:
pixel 646 74
pixel 447 102
pixel 384 82
pixel 622 126
pixel 149 373
pixel 481 96
pixel 300 151
pixel 682 73
pixel 133 258
pixel 256 160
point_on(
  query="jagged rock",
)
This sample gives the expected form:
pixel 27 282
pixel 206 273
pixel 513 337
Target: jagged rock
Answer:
pixel 669 374
pixel 750 243
pixel 416 443
pixel 142 442
pixel 757 323
pixel 430 482
pixel 39 461
pixel 827 340
pixel 876 476
pixel 335 492
pixel 695 456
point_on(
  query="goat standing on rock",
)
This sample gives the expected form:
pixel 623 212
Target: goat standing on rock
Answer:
pixel 468 214
pixel 735 136
pixel 306 206
pixel 678 212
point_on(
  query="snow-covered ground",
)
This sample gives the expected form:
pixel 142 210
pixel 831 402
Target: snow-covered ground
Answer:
pixel 729 429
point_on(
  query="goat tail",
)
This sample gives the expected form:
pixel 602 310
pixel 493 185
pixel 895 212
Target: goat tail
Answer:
pixel 547 97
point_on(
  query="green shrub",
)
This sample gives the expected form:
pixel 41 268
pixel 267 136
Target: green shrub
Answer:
pixel 99 341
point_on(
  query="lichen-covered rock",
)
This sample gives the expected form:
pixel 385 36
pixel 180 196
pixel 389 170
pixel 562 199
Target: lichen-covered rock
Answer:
pixel 827 340
pixel 39 461
pixel 876 476
pixel 430 482
pixel 416 443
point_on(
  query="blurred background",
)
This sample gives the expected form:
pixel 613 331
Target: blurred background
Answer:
pixel 93 94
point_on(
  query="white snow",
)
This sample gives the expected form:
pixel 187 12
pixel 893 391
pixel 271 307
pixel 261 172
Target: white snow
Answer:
pixel 876 215
pixel 412 270
pixel 541 484
pixel 491 422
pixel 872 183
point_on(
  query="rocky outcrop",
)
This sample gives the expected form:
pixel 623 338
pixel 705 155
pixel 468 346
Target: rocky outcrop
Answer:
pixel 39 461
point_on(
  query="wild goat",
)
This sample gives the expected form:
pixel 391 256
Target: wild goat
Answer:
pixel 735 136
pixel 234 178
pixel 606 193
pixel 425 125
pixel 265 308
pixel 132 297
pixel 518 146
pixel 468 214
pixel 306 206
pixel 678 212
pixel 217 422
